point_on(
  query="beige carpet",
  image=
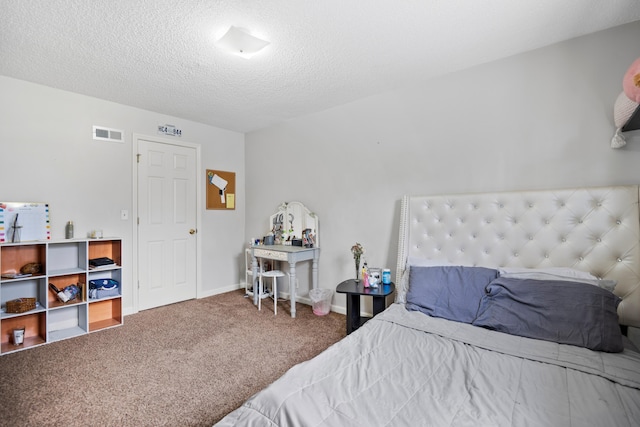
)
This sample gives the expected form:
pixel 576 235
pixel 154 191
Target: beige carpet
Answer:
pixel 186 364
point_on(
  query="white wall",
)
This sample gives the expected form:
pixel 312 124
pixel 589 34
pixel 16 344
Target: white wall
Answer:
pixel 48 155
pixel 534 121
pixel 538 120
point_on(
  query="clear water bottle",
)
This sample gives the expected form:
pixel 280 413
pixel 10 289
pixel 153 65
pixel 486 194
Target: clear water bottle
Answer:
pixel 68 230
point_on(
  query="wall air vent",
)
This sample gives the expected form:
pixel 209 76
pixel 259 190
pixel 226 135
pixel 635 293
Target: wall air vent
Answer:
pixel 101 133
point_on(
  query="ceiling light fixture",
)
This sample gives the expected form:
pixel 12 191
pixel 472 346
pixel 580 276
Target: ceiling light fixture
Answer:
pixel 239 42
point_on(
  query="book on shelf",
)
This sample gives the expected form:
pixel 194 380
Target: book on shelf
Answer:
pixel 101 262
pixel 15 275
pixel 99 267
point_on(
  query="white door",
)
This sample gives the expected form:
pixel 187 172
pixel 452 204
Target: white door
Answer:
pixel 167 218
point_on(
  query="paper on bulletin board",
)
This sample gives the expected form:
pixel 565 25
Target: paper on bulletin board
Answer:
pixel 231 201
pixel 221 189
pixel 24 222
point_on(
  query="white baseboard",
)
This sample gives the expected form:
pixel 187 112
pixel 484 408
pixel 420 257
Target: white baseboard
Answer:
pixel 307 301
pixel 284 295
pixel 219 291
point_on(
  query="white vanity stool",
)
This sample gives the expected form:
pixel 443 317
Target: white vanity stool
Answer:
pixel 274 274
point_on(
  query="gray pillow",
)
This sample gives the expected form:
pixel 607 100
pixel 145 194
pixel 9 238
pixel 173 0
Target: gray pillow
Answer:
pixel 450 292
pixel 568 312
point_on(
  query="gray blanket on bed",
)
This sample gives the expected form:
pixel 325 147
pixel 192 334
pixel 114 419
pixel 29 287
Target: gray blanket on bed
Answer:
pixel 408 369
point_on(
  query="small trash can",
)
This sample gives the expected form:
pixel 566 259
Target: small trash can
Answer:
pixel 321 301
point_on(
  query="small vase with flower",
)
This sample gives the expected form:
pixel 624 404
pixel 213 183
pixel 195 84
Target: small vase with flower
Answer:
pixel 357 250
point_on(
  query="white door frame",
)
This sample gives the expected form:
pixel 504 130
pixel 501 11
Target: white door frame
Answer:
pixel 134 217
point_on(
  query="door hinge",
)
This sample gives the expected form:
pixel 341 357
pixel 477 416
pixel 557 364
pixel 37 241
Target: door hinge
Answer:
pixel 138 158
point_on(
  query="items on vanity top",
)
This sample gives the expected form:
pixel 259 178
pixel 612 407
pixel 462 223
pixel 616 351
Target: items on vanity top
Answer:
pixel 292 225
pixel 270 240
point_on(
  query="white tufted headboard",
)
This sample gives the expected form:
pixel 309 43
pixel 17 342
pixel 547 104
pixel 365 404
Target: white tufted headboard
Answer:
pixel 591 229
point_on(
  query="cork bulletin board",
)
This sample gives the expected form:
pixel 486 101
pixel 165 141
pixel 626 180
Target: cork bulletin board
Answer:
pixel 221 189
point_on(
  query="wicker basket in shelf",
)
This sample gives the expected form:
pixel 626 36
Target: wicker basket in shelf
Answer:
pixel 21 305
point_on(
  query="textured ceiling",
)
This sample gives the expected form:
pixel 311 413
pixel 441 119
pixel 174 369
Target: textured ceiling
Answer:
pixel 159 55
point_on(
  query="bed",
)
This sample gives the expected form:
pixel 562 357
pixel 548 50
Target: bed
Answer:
pixel 503 316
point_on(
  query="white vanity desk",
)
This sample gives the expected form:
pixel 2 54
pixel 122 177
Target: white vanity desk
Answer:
pixel 292 255
pixel 291 220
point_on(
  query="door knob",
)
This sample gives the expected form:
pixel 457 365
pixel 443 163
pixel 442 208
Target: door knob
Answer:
pixel 192 231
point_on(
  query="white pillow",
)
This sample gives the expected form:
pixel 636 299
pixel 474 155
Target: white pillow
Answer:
pixel 566 272
pixel 557 273
pixel 424 262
